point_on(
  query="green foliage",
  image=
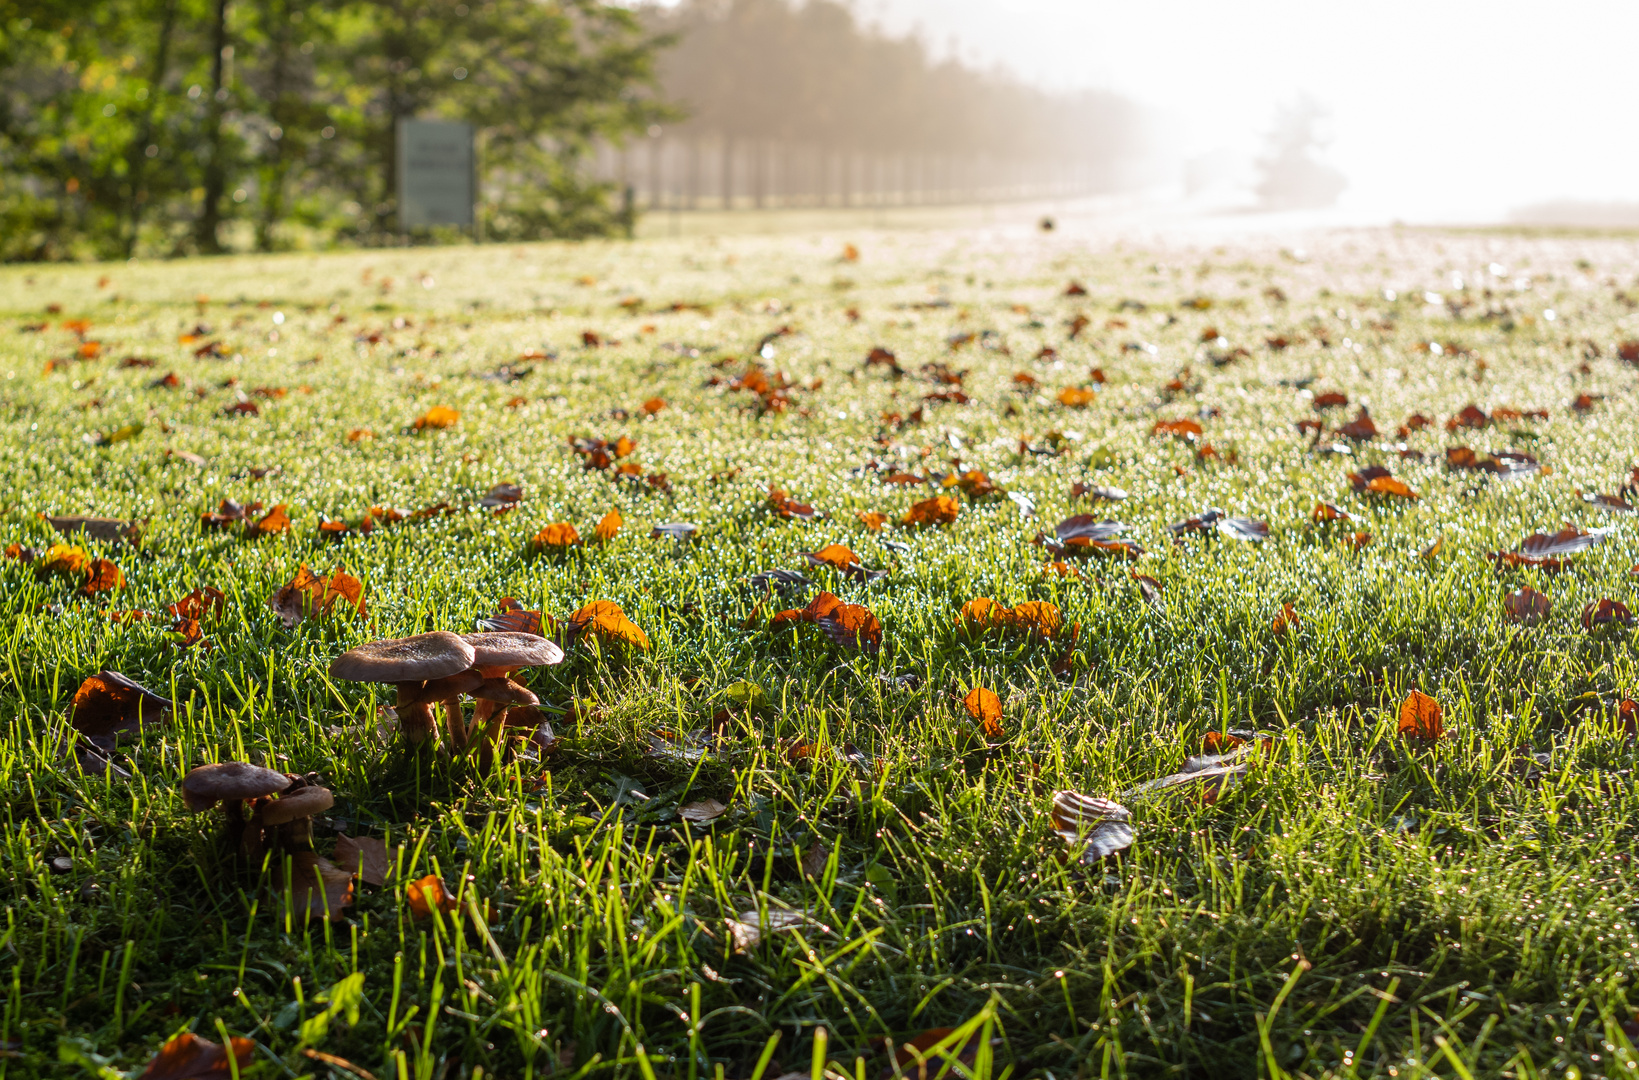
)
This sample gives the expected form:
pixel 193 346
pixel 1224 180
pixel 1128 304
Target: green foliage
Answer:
pixel 121 134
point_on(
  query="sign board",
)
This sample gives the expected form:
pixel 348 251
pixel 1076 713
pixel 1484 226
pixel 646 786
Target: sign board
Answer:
pixel 436 173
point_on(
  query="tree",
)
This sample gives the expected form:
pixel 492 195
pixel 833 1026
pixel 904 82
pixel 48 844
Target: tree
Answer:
pixel 1292 176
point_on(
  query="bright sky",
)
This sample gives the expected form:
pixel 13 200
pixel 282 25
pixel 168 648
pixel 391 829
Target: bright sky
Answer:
pixel 1440 109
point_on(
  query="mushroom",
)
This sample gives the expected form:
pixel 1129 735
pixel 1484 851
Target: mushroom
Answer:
pixel 408 663
pixel 496 656
pixel 231 783
pixel 292 814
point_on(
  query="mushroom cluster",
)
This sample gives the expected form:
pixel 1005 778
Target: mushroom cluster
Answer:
pixel 440 669
pixel 281 805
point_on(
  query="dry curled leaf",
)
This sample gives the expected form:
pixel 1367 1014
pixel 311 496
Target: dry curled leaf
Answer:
pixel 308 593
pixel 320 889
pixel 112 530
pixel 702 811
pixel 1285 620
pixel 1421 717
pixel 608 525
pixel 276 520
pixel 108 703
pixel 1102 826
pixel 1606 612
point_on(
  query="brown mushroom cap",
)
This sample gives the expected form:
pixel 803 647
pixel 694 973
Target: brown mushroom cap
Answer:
pixel 401 660
pixel 208 785
pixel 301 803
pixel 509 649
pixel 505 691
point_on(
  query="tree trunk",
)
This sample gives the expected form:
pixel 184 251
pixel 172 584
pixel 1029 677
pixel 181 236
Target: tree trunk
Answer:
pixel 137 154
pixel 728 173
pixel 272 209
pixel 216 172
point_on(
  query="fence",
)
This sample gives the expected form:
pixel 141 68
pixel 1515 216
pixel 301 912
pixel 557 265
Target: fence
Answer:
pixel 687 173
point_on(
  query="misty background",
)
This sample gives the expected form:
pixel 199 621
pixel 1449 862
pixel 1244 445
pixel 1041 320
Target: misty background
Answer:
pixel 1398 110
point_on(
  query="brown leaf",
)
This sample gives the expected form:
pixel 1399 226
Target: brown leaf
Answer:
pixel 1360 428
pixel 365 856
pixel 1286 619
pixel 940 510
pixel 319 889
pixel 188 1057
pixel 1388 485
pixel 986 710
pixel 198 604
pixel 654 405
pixel 1527 606
pixel 425 894
pixel 309 593
pixel 1606 612
pixel 1421 717
pixel 108 703
pixel 102 576
pixel 1325 511
pixel 112 530
pixel 1184 429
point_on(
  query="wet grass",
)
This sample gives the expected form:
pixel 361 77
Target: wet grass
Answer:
pixel 1356 906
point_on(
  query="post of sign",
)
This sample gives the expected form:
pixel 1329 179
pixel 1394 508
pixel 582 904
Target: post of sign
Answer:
pixel 437 173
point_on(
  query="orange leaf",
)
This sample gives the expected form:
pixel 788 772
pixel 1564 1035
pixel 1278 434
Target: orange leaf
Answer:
pixel 835 556
pixel 188 1057
pixel 427 893
pixel 1420 717
pixel 1184 429
pixel 274 521
pixel 1286 619
pixel 560 535
pixel 359 434
pixel 654 405
pixel 941 510
pixel 606 619
pixel 1388 485
pixel 65 559
pixel 1037 617
pixel 983 613
pixel 986 710
pixel 102 576
pixel 853 626
pixel 608 526
pixel 623 446
pixel 439 416
pixel 871 519
pixel 1076 397
pixel 1219 742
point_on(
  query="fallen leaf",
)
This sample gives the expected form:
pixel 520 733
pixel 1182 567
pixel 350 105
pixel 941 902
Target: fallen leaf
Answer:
pixel 319 889
pixel 940 510
pixel 112 530
pixel 871 520
pixel 608 526
pixel 1286 619
pixel 366 856
pixel 986 710
pixel 102 576
pixel 188 1057
pixel 1606 612
pixel 1526 606
pixel 1150 590
pixel 1243 528
pixel 198 604
pixel 1184 429
pixel 274 521
pixel 1076 397
pixel 606 620
pixel 308 593
pixel 1325 511
pixel 439 416
pixel 702 812
pixel 1388 485
pixel 1102 826
pixel 425 894
pixel 108 703
pixel 1421 717
pixel 66 559
pixel 560 535
pixel 654 405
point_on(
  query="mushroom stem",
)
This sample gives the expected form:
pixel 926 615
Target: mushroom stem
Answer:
pixel 482 713
pixel 415 721
pixel 455 723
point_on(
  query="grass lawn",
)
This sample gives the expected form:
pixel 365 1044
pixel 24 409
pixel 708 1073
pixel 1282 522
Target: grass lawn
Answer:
pixel 1332 899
